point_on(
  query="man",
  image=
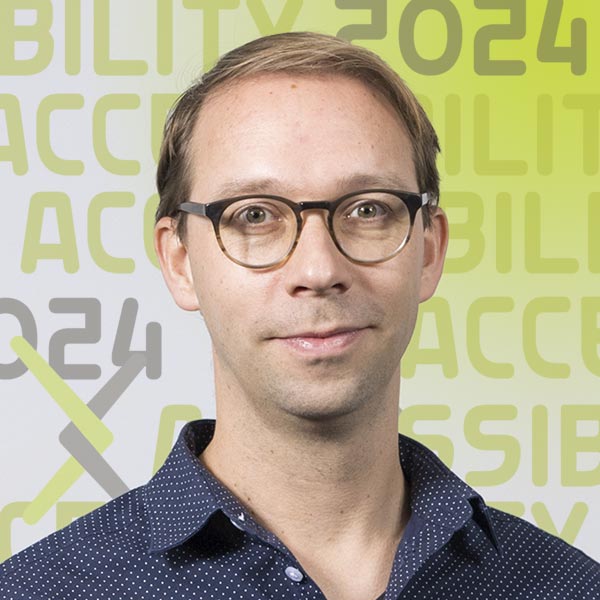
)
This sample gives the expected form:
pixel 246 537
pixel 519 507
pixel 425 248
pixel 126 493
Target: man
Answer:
pixel 298 215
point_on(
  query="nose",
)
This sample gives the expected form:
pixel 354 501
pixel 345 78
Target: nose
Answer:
pixel 317 267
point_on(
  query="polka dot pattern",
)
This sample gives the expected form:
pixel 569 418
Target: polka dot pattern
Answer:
pixel 185 536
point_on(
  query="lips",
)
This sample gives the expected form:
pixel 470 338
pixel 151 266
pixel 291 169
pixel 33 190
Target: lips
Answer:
pixel 319 344
pixel 322 334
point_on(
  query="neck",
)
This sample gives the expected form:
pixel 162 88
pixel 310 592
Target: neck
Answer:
pixel 336 481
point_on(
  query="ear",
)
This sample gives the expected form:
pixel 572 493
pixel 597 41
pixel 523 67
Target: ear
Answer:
pixel 175 264
pixel 435 240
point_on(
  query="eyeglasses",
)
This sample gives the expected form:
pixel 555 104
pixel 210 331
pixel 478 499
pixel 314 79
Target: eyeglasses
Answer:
pixel 260 231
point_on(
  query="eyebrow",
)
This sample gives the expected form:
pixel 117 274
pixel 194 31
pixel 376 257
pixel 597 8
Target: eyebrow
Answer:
pixel 274 186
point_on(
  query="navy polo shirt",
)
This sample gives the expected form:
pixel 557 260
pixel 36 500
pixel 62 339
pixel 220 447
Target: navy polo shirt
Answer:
pixel 184 535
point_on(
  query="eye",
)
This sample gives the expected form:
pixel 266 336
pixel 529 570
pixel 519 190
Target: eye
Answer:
pixel 368 210
pixel 254 215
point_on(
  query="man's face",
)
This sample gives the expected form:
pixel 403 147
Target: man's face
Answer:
pixel 304 138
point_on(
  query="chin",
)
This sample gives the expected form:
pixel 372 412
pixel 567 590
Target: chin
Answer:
pixel 322 407
pixel 321 414
pixel 350 395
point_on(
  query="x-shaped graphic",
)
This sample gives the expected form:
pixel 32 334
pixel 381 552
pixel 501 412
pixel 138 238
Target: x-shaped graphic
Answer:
pixel 86 437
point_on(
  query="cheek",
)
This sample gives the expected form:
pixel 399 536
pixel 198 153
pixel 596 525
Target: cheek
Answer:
pixel 210 268
pixel 399 295
pixel 226 298
pixel 400 279
pixel 221 313
pixel 404 312
pixel 216 296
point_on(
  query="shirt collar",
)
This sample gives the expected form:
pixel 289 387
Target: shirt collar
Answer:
pixel 183 495
pixel 177 499
pixel 438 496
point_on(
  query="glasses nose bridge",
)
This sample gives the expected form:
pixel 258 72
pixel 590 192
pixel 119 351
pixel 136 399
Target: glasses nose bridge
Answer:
pixel 321 205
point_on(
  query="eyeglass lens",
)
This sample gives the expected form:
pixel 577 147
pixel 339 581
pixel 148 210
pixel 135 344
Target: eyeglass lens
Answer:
pixel 261 231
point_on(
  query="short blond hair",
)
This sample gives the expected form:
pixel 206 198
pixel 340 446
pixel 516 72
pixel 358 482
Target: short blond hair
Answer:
pixel 296 53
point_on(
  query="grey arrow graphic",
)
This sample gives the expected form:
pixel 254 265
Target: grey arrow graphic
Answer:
pixel 81 449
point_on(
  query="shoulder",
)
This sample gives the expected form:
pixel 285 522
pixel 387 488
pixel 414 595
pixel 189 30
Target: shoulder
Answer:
pixel 491 554
pixel 517 535
pixel 117 524
pixel 535 553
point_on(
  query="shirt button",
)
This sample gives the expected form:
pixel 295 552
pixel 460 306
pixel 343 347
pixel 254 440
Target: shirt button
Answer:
pixel 294 574
pixel 233 522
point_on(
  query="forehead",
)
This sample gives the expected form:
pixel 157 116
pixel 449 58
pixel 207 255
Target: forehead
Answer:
pixel 299 131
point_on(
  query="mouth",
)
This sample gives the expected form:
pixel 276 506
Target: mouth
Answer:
pixel 323 334
pixel 320 343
